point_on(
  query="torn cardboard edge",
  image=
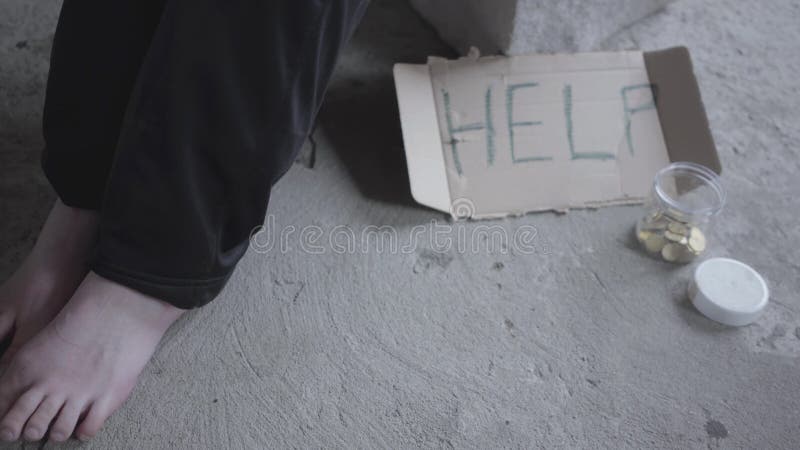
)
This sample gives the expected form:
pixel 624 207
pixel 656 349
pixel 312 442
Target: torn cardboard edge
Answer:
pixel 680 108
pixel 680 122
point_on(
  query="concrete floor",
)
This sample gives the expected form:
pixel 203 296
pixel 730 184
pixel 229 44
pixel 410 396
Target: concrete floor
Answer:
pixel 584 343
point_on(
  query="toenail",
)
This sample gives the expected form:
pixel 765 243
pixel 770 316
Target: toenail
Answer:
pixel 57 436
pixel 83 437
pixel 7 435
pixel 31 434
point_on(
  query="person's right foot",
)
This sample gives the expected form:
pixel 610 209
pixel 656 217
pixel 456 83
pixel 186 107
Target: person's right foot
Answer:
pixel 84 363
pixel 48 277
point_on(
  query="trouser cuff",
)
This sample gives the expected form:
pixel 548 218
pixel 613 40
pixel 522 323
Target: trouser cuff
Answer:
pixel 181 293
pixel 83 191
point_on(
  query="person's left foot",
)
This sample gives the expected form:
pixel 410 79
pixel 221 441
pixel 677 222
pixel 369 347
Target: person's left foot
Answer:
pixel 85 363
pixel 48 277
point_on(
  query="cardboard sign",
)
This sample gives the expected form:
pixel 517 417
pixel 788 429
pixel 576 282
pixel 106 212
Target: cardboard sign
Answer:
pixel 509 135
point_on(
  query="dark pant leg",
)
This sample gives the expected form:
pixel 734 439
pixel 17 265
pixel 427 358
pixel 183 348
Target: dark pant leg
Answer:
pixel 98 48
pixel 226 95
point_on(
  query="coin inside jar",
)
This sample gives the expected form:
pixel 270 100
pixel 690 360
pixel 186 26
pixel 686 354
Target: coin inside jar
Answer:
pixel 684 199
pixel 672 252
pixel 675 237
pixel 678 228
pixel 670 239
pixel 697 241
pixel 654 243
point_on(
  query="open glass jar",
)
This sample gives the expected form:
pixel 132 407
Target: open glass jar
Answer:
pixel 685 198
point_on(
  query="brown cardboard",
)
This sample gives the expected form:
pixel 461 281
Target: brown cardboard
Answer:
pixel 680 107
pixel 507 135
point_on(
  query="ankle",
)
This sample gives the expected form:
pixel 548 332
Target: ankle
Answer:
pixel 67 234
pixel 146 310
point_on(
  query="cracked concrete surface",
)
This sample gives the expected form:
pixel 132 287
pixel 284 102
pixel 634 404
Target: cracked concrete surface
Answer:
pixel 583 343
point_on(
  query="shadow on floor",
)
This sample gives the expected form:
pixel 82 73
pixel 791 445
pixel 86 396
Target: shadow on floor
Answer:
pixel 360 114
pixel 365 132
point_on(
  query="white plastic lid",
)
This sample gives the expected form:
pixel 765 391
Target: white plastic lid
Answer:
pixel 728 291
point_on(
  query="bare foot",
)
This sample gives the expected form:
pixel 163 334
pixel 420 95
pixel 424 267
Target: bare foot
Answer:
pixel 85 362
pixel 49 275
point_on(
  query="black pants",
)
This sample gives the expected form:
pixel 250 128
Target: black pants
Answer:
pixel 174 118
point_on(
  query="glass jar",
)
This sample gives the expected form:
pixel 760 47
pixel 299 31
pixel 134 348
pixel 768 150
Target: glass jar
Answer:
pixel 685 198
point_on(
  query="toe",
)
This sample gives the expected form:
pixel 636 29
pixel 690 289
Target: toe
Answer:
pixel 11 387
pixel 94 420
pixel 40 420
pixel 65 423
pixel 15 418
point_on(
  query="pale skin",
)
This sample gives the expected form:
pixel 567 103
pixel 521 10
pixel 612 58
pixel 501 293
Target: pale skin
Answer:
pixel 79 341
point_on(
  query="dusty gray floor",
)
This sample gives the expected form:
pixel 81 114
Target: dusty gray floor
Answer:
pixel 584 343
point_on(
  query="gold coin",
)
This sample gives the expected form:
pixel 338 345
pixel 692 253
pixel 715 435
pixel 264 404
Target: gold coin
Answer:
pixel 697 241
pixel 672 252
pixel 678 228
pixel 642 235
pixel 658 224
pixel 675 237
pixel 654 243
